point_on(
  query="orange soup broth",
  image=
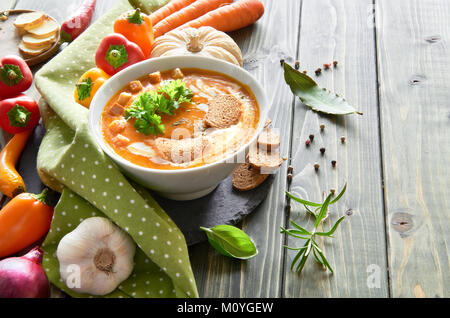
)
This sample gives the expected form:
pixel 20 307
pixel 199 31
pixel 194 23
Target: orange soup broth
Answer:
pixel 205 85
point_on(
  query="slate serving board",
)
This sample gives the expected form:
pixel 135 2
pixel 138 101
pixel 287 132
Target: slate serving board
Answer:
pixel 223 206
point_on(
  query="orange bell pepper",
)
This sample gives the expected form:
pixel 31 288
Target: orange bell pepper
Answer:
pixel 88 84
pixel 136 27
pixel 11 183
pixel 23 221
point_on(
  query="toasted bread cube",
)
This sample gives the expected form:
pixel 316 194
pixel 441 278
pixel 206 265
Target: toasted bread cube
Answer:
pixel 124 98
pixel 155 78
pixel 120 141
pixel 177 74
pixel 116 110
pixel 118 126
pixel 136 87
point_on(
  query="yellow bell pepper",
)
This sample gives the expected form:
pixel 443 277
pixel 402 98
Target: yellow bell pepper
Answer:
pixel 88 84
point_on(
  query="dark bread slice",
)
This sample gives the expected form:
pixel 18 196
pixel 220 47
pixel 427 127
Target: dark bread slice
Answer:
pixel 223 111
pixel 181 151
pixel 246 177
pixel 261 159
pixel 268 140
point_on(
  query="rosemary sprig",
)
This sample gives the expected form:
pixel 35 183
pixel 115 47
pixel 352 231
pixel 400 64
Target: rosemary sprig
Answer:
pixel 310 246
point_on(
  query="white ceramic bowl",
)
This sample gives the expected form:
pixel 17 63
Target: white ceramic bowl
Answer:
pixel 186 184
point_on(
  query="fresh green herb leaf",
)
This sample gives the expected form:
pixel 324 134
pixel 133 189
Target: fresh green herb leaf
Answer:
pixel 149 106
pixel 333 229
pixel 323 211
pixel 10 74
pixel 116 56
pixel 319 99
pixel 231 241
pixel 310 244
pixel 135 17
pixel 309 203
pixel 84 88
pixel 19 116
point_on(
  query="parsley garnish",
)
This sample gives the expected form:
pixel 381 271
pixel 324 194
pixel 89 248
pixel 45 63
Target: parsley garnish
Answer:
pixel 84 88
pixel 149 106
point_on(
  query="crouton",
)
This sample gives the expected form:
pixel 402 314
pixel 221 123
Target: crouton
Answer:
pixel 120 141
pixel 118 126
pixel 177 74
pixel 154 78
pixel 124 98
pixel 223 111
pixel 135 87
pixel 116 110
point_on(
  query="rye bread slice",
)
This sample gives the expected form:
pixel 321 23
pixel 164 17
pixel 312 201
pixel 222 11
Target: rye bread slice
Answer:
pixel 266 161
pixel 246 177
pixel 223 111
pixel 181 151
pixel 268 140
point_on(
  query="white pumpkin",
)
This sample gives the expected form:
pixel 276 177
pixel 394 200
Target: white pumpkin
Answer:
pixel 204 41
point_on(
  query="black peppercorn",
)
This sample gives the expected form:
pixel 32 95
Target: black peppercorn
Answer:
pixel 316 166
pixel 311 137
pixel 333 163
pixel 318 71
pixel 322 151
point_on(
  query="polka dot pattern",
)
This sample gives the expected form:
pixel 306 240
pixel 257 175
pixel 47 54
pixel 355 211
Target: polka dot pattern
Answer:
pixel 70 162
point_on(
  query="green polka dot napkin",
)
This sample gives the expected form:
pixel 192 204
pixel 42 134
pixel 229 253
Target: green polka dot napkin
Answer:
pixel 70 162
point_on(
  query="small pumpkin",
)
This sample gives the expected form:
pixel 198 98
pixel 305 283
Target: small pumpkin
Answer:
pixel 204 41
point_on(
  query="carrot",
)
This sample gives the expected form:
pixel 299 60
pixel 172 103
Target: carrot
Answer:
pixel 171 7
pixel 191 12
pixel 230 17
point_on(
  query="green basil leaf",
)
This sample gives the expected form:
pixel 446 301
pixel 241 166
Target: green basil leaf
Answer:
pixel 148 6
pixel 19 116
pixel 116 56
pixel 231 241
pixel 319 99
pixel 84 88
pixel 10 74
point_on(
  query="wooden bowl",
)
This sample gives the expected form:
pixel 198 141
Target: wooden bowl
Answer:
pixel 10 39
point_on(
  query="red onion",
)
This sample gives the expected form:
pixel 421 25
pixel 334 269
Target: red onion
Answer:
pixel 24 277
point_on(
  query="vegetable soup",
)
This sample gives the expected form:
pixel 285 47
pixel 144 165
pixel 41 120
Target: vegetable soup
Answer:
pixel 180 119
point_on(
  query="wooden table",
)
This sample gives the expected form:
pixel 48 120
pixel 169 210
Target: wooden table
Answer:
pixel 394 64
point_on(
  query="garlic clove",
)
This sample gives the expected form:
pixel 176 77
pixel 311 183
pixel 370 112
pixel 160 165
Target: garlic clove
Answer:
pixel 96 257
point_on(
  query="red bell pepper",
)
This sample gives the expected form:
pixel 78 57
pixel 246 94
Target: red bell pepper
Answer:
pixel 116 53
pixel 78 22
pixel 15 76
pixel 19 114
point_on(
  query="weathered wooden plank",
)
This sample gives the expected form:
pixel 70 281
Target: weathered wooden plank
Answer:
pixel 414 72
pixel 263 45
pixel 338 30
pixel 7 4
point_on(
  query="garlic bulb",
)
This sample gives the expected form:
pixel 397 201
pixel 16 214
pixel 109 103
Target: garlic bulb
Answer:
pixel 96 257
